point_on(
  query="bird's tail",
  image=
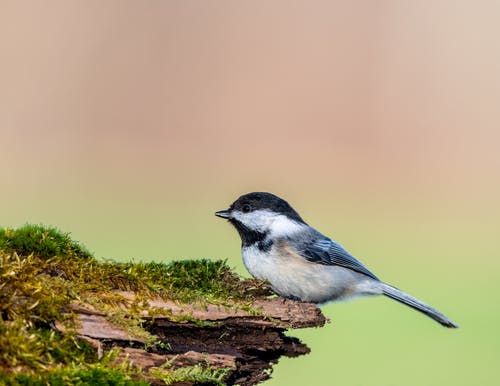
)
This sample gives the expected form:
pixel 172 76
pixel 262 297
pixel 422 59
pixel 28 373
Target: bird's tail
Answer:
pixel 412 302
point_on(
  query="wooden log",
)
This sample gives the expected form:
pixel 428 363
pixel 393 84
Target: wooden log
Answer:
pixel 248 340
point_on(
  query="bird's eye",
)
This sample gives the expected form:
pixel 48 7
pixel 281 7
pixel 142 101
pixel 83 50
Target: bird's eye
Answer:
pixel 246 208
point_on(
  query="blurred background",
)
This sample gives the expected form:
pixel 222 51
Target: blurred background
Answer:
pixel 129 123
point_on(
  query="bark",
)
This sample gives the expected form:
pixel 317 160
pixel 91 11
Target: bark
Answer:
pixel 248 342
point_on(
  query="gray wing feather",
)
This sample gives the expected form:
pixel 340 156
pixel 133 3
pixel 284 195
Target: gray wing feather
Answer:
pixel 320 249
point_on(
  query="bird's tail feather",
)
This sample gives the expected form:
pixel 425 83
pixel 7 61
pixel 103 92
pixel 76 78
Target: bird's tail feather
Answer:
pixel 416 304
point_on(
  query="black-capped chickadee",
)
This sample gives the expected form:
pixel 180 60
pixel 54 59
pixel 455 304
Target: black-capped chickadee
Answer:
pixel 299 262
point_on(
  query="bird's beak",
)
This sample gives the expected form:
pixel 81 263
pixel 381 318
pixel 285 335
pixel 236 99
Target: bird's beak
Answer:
pixel 222 213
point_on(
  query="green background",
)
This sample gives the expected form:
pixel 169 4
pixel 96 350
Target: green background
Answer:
pixel 444 257
pixel 130 123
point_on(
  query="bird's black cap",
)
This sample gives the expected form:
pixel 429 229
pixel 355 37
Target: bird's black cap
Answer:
pixel 262 200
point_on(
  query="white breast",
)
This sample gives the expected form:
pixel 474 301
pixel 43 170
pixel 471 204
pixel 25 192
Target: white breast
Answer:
pixel 259 264
pixel 292 275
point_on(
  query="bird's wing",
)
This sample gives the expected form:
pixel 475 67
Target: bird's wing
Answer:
pixel 323 250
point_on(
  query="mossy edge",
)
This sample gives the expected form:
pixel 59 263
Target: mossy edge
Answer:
pixel 42 271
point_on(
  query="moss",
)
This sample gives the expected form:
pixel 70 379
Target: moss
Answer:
pixel 42 271
pixel 43 241
pixel 74 375
pixel 195 374
pixel 185 280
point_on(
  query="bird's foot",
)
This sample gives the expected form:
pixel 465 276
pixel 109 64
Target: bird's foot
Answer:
pixel 293 297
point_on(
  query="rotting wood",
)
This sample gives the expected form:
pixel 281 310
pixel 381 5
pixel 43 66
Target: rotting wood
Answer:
pixel 274 312
pixel 248 342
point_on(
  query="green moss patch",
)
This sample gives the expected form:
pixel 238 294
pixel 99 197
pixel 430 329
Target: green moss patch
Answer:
pixel 42 271
pixel 44 242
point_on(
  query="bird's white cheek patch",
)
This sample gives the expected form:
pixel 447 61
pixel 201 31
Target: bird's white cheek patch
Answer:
pixel 266 221
pixel 258 220
pixel 283 226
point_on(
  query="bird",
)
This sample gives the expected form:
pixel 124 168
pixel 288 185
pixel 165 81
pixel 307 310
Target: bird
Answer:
pixel 302 264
